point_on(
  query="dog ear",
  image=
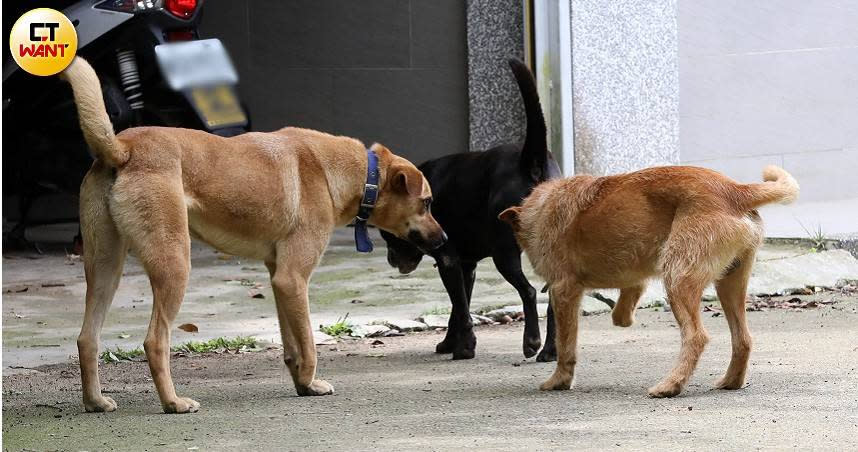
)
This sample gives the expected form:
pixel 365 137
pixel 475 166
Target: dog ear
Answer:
pixel 510 216
pixel 407 179
pixel 380 150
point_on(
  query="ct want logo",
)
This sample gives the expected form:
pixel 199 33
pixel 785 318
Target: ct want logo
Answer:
pixel 43 41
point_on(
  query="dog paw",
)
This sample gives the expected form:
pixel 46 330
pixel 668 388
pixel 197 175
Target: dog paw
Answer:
pixel 623 321
pixel 316 388
pixel 726 382
pixel 465 346
pixel 665 389
pixel 100 405
pixel 531 346
pixel 182 405
pixel 556 384
pixel 547 355
pixel 464 353
pixel 445 347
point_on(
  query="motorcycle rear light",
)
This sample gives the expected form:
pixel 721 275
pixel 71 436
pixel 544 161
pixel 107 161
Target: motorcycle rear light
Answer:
pixel 180 35
pixel 181 8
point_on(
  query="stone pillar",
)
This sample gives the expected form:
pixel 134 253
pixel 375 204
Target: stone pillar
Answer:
pixel 495 33
pixel 625 79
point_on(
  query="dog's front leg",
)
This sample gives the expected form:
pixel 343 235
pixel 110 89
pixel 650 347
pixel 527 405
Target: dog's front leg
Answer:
pixel 458 279
pixel 566 303
pixel 289 280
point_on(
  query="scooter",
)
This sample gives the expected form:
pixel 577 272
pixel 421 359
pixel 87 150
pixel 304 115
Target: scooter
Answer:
pixel 154 70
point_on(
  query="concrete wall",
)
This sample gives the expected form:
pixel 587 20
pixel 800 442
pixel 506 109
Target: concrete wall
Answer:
pixel 392 71
pixel 774 82
pixel 625 84
pixel 495 33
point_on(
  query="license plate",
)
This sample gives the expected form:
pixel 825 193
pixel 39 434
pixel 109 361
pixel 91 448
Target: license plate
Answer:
pixel 193 64
pixel 218 106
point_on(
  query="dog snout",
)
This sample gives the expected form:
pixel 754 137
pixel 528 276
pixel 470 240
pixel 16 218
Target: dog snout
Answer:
pixel 437 240
pixel 427 242
pixel 391 259
pixel 443 238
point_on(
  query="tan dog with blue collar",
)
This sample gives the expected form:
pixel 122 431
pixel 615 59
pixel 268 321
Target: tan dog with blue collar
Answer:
pixel 271 196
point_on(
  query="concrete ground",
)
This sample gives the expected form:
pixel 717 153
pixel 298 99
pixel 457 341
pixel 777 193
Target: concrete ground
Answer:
pixel 43 298
pixel 43 294
pixel 801 394
pixel 398 394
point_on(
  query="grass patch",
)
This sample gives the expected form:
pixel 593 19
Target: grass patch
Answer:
pixel 218 344
pixel 342 327
pixel 117 355
pixel 438 310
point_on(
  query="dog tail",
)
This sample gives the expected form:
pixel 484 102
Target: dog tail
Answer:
pixel 778 186
pixel 535 152
pixel 94 122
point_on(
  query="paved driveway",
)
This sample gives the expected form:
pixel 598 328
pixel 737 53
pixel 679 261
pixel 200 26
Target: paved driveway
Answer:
pixel 802 393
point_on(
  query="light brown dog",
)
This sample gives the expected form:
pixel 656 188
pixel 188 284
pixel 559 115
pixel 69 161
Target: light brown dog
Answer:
pixel 691 226
pixel 270 196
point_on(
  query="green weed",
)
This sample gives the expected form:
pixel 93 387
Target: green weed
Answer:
pixel 114 356
pixel 342 327
pixel 438 310
pixel 817 237
pixel 220 343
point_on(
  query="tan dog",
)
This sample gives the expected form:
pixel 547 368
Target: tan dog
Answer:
pixel 270 196
pixel 691 226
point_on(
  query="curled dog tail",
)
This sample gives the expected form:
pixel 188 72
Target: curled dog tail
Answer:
pixel 94 122
pixel 778 186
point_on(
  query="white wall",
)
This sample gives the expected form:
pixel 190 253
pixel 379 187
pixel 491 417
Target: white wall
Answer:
pixel 625 87
pixel 775 82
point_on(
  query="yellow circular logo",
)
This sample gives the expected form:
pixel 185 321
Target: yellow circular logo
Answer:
pixel 43 41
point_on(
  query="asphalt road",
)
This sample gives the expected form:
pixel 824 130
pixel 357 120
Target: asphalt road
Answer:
pixel 802 393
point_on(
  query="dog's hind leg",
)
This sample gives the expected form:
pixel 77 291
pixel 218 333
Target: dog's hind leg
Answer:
pixel 732 289
pixel 150 211
pixel 566 304
pixel 168 274
pixel 290 274
pixel 469 273
pixel 458 278
pixel 684 297
pixel 623 313
pixel 509 266
pixel 103 259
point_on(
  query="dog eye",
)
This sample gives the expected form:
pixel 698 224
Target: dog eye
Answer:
pixel 427 202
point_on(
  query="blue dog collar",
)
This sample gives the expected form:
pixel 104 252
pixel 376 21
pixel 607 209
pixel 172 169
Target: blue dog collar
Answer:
pixel 370 196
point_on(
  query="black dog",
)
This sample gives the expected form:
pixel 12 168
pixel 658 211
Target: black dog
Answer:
pixel 470 190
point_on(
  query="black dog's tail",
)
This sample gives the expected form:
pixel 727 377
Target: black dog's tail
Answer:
pixel 535 152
